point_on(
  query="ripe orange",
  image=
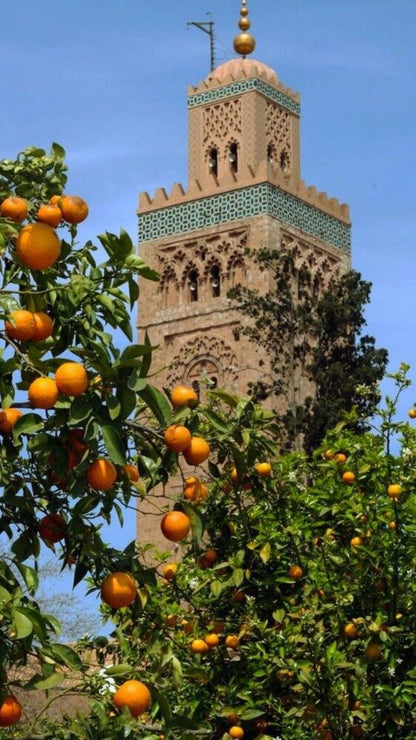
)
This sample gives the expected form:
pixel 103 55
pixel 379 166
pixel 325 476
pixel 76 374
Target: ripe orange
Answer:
pixel 8 418
pixel 10 711
pixel 43 393
pixel 195 490
pixel 356 542
pixel 412 413
pixel 210 556
pixel 264 469
pixel 232 641
pixel 52 527
pixel 350 631
pixel 74 209
pixel 199 646
pixel 55 199
pixel 169 570
pixel 14 208
pixel 197 451
pixel 131 472
pixel 175 526
pixel 22 325
pixel 134 695
pixel 183 395
pixel 212 640
pixel 118 590
pixel 373 651
pixel 348 476
pixel 236 732
pixel 38 246
pixel 51 214
pixel 394 490
pixel 71 378
pixel 101 474
pixel 295 572
pixel 44 326
pixel 340 458
pixel 393 525
pixel 177 437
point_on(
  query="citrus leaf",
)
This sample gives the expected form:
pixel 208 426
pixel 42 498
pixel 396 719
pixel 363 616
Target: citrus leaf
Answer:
pixel 114 444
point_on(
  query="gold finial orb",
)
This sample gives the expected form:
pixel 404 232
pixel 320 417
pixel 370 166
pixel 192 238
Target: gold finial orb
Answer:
pixel 244 43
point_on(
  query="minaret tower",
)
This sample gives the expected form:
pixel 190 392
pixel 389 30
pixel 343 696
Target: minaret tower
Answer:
pixel 244 191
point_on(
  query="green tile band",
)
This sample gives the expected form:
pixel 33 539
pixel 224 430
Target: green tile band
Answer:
pixel 240 204
pixel 242 86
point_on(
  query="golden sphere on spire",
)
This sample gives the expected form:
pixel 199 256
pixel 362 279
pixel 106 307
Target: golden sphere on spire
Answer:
pixel 244 43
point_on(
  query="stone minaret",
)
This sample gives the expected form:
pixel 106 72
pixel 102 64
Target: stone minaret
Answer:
pixel 245 190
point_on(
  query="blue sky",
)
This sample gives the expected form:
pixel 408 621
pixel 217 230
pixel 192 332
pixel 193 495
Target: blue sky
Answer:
pixel 108 81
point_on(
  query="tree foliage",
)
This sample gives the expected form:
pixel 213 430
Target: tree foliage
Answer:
pixel 313 355
pixel 288 611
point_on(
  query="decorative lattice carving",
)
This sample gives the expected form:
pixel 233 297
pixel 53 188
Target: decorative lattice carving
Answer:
pixel 222 120
pixel 205 356
pixel 324 267
pixel 279 135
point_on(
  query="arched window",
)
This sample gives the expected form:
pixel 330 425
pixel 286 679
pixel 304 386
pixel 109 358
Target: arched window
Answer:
pixel 270 154
pixel 238 273
pixel 215 279
pixel 193 285
pixel 284 161
pixel 213 162
pixel 233 157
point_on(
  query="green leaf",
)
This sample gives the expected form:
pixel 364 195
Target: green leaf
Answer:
pixel 27 424
pixel 216 588
pixel 79 411
pixel 216 420
pixel 197 522
pixel 265 552
pixel 114 444
pixel 121 669
pixel 57 152
pixel 43 684
pixel 22 625
pixel 66 655
pixel 157 403
pixel 136 382
pixel 30 576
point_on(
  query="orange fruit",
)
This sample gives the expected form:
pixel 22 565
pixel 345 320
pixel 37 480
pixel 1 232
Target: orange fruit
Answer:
pixel 14 208
pixel 10 711
pixel 22 325
pixel 350 631
pixel 50 213
pixel 43 393
pixel 195 490
pixel 197 451
pixel 76 442
pixel 8 418
pixel 169 570
pixel 232 641
pixel 328 454
pixel 131 472
pixel 134 695
pixel 394 491
pixel 183 395
pixel 175 526
pixel 52 528
pixel 392 525
pixel 340 458
pixel 373 651
pixel 356 542
pixel 348 476
pixel 177 437
pixel 198 646
pixel 118 590
pixel 264 469
pixel 55 199
pixel 236 732
pixel 71 378
pixel 101 474
pixel 210 556
pixel 74 209
pixel 212 640
pixel 38 246
pixel 44 326
pixel 412 413
pixel 295 572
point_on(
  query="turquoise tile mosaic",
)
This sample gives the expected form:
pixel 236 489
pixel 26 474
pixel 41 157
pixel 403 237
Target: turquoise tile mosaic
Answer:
pixel 242 86
pixel 244 203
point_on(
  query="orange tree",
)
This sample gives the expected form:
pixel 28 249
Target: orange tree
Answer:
pixel 288 610
pixel 67 394
pixel 283 605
